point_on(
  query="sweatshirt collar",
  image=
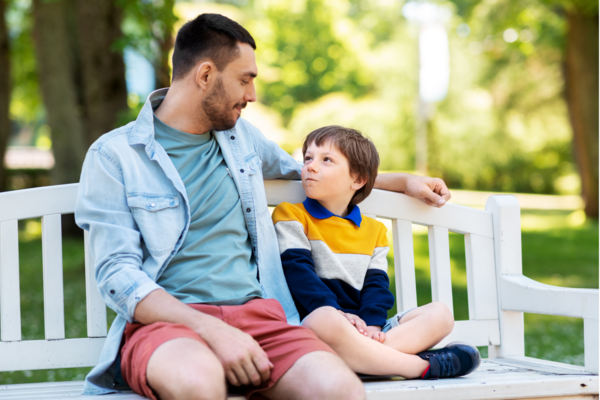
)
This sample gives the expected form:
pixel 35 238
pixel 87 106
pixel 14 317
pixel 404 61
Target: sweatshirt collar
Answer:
pixel 314 208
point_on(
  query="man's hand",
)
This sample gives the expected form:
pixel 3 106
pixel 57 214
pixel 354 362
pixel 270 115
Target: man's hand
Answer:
pixel 358 323
pixel 374 332
pixel 244 361
pixel 433 191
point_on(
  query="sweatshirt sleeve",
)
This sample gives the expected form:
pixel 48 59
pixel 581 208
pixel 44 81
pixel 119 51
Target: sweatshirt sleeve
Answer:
pixel 296 258
pixel 375 297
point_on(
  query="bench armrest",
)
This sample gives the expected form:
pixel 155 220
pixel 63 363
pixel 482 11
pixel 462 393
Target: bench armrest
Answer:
pixel 519 293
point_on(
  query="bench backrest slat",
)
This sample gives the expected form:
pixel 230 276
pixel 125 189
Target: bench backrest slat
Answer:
pixel 35 203
pixel 404 264
pixel 481 277
pixel 54 304
pixel 10 298
pixel 95 307
pixel 439 260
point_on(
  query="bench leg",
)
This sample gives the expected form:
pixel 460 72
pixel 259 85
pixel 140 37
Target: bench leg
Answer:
pixel 590 340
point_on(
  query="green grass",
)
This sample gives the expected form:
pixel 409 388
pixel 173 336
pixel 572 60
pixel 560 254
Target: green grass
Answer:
pixel 558 249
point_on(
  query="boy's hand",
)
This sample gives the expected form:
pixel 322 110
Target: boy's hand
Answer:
pixel 374 332
pixel 358 323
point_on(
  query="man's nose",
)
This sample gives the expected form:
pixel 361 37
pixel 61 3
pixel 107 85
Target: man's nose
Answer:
pixel 250 95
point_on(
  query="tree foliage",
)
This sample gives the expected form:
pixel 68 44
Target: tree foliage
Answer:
pixel 559 33
pixel 148 28
pixel 4 91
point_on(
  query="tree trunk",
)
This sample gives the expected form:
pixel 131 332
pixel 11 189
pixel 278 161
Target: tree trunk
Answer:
pixel 4 92
pixel 581 76
pixel 103 69
pixel 165 44
pixel 57 60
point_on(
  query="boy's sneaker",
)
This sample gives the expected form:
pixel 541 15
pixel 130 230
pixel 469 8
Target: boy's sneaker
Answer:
pixel 456 359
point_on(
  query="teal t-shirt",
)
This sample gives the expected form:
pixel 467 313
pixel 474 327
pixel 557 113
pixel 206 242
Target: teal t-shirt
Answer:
pixel 215 263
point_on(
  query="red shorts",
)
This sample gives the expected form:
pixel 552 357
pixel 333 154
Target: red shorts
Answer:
pixel 263 319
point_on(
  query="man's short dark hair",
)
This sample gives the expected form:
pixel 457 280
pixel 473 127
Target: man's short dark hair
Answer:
pixel 211 36
pixel 359 150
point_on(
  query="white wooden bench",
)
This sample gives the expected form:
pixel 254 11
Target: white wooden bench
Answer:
pixel 498 295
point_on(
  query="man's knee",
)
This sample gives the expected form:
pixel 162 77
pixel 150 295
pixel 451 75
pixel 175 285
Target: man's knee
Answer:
pixel 197 387
pixel 338 383
pixel 186 369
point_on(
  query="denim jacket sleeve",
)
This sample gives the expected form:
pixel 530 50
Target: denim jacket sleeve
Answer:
pixel 115 241
pixel 276 163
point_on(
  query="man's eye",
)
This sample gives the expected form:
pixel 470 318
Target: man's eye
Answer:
pixel 245 82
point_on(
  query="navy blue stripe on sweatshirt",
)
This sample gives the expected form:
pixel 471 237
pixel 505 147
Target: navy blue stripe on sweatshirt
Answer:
pixel 308 290
pixel 311 292
pixel 376 298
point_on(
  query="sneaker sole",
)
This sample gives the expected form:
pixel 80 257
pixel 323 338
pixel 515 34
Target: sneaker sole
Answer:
pixel 471 351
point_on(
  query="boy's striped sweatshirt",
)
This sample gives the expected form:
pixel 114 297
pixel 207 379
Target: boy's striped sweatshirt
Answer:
pixel 333 261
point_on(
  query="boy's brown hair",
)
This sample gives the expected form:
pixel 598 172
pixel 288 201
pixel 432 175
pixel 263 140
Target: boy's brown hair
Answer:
pixel 359 150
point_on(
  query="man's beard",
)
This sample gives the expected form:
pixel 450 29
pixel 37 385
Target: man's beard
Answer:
pixel 216 107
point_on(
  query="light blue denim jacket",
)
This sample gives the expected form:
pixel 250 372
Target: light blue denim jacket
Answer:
pixel 134 205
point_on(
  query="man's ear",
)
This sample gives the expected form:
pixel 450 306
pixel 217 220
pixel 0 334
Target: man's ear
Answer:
pixel 204 73
pixel 358 183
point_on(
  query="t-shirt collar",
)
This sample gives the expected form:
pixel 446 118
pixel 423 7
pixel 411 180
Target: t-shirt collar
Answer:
pixel 315 209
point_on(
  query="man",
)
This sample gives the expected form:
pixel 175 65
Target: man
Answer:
pixel 183 245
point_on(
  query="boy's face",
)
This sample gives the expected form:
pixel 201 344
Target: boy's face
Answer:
pixel 326 174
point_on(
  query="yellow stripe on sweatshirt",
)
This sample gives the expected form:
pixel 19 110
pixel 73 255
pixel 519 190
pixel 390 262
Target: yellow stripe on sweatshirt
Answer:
pixel 342 236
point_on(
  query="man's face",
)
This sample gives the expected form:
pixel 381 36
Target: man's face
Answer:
pixel 232 90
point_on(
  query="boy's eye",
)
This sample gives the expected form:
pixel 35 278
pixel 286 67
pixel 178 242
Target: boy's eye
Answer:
pixel 306 158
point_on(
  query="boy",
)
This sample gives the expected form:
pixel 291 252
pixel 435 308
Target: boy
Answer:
pixel 335 265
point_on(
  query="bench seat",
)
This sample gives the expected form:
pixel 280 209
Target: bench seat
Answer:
pixel 519 378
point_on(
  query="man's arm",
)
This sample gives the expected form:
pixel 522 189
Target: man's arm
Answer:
pixel 114 238
pixel 276 163
pixel 433 191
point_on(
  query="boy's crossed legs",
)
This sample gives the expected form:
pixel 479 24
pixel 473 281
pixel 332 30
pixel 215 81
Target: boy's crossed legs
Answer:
pixel 419 330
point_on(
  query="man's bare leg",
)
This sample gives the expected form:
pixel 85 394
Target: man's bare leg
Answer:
pixel 361 353
pixel 185 369
pixel 317 375
pixel 421 329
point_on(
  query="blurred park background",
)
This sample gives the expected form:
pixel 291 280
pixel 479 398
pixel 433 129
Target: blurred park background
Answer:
pixel 490 95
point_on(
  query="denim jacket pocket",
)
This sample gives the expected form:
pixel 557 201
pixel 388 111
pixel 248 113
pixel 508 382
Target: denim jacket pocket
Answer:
pixel 160 219
pixel 254 166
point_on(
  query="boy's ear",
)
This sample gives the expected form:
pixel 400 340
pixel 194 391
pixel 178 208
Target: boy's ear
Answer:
pixel 358 183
